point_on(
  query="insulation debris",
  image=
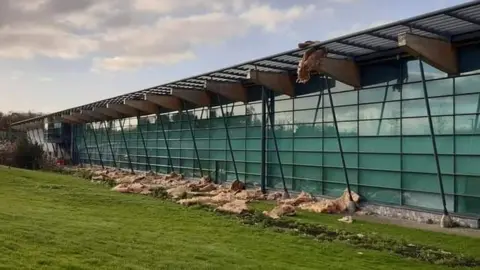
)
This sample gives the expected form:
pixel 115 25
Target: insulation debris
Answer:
pixel 280 211
pixel 233 198
pixel 312 58
pixel 338 205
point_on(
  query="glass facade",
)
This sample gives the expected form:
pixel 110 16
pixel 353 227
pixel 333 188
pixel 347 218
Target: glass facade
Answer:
pixel 384 131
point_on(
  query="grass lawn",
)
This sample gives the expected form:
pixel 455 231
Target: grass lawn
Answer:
pixel 50 221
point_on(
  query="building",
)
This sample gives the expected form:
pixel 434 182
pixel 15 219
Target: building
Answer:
pixel 253 122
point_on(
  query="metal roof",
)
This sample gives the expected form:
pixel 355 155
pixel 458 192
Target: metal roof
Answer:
pixel 456 23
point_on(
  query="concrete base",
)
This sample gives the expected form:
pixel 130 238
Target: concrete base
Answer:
pixel 351 207
pixel 419 216
pixel 285 195
pixel 446 222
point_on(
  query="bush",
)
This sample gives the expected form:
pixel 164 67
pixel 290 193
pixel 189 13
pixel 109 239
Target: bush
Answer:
pixel 27 155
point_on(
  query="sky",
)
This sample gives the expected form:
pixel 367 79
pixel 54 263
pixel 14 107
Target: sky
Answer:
pixel 58 54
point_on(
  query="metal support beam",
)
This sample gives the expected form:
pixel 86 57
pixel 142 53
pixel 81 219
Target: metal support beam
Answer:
pixel 343 70
pixel 109 143
pixel 98 147
pixel 159 117
pixel 165 101
pixel 263 146
pixel 84 117
pixel 339 141
pixel 272 127
pixel 108 112
pixel 228 138
pixel 95 115
pixel 434 141
pixel 123 109
pixel 197 97
pixel 73 119
pixel 142 106
pixel 234 91
pixel 139 126
pixel 194 142
pixel 437 53
pixel 276 81
pixel 86 146
pixel 126 147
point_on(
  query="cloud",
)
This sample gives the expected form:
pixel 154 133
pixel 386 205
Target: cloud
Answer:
pixel 356 27
pixel 130 34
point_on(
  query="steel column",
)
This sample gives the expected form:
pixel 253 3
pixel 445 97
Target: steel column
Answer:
pixel 432 135
pixel 272 127
pixel 85 143
pixel 159 117
pixel 109 143
pixel 383 109
pixel 340 148
pixel 228 138
pixel 40 141
pixel 193 139
pixel 264 133
pixel 144 144
pixel 126 146
pixel 98 147
pixel 318 105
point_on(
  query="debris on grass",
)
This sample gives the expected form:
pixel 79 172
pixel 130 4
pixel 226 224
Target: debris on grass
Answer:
pixel 233 201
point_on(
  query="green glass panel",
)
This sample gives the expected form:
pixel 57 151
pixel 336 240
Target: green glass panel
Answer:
pixel 283 144
pixel 308 172
pixel 254 132
pixel 341 99
pixel 283 105
pixel 466 104
pixel 338 175
pixel 426 200
pixel 381 195
pixel 440 87
pixel 342 113
pixel 335 160
pixel 467 84
pixel 306 103
pixel 380 178
pixel 308 130
pixel 380 144
pixel 253 144
pixel 348 144
pixel 412 90
pixel 307 158
pixel 308 144
pixel 379 127
pixel 468 205
pixel 379 161
pixel 308 116
pixel 467 165
pixel 276 182
pixel 254 156
pixel 426 163
pixel 467 144
pixel 427 182
pixel 333 190
pixel 274 170
pixel 467 124
pixel 423 145
pixel 310 186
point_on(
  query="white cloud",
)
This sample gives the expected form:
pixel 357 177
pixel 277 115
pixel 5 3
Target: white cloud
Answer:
pixel 45 79
pixel 129 34
pixel 355 28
